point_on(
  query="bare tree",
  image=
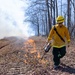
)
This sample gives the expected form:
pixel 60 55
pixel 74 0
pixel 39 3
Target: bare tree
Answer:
pixel 42 14
pixel 56 8
pixel 69 14
pixel 48 11
pixel 53 12
pixel 73 24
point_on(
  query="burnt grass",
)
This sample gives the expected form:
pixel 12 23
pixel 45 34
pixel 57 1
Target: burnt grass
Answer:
pixel 22 56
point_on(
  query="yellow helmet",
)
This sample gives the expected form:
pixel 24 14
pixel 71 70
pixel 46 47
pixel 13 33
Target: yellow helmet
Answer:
pixel 60 19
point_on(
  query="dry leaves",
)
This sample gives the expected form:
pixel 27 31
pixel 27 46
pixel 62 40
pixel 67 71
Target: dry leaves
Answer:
pixel 20 56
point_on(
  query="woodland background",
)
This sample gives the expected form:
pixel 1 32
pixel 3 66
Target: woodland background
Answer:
pixel 42 15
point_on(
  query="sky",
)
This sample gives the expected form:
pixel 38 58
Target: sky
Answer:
pixel 12 16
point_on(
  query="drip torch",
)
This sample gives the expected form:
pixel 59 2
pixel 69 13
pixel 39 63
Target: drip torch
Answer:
pixel 46 49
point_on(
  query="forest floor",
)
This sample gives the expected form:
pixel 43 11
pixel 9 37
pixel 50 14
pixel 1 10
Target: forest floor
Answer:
pixel 22 56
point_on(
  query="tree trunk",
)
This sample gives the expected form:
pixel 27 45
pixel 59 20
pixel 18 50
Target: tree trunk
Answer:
pixel 49 19
pixel 54 12
pixel 68 15
pixel 56 9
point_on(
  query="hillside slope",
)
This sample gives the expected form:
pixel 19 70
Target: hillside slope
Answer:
pixel 21 56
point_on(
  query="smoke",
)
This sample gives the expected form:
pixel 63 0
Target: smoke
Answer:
pixel 12 16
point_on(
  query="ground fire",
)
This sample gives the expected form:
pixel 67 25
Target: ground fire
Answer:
pixel 33 55
pixel 20 56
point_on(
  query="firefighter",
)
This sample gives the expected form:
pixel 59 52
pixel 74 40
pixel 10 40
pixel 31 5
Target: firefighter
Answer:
pixel 58 44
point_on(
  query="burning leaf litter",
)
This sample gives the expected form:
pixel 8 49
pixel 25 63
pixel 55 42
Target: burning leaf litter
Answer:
pixel 22 57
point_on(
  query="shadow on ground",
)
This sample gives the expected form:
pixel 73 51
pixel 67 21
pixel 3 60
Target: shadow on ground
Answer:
pixel 65 68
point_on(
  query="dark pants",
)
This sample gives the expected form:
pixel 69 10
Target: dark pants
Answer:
pixel 57 54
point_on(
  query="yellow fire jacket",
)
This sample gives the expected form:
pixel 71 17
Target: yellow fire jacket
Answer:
pixel 64 33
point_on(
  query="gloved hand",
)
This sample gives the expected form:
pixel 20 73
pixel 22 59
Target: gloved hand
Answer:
pixel 68 43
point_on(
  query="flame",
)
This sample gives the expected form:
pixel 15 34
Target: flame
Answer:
pixel 38 55
pixel 32 54
pixel 30 40
pixel 31 51
pixel 30 46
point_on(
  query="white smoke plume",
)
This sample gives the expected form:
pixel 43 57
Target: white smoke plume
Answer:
pixel 12 16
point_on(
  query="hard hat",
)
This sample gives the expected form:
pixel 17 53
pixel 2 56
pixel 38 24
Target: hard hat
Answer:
pixel 60 19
